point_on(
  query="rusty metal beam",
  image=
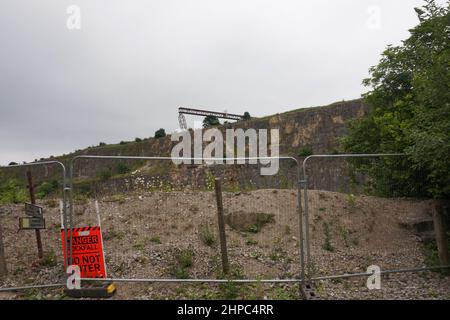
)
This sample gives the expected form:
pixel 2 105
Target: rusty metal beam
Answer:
pixel 199 112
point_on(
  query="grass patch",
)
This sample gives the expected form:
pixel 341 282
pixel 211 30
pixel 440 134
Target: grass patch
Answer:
pixel 115 198
pixel 104 174
pixel 139 246
pixel 207 235
pixel 49 259
pixel 327 245
pixel 183 261
pixel 155 239
pixel 305 151
pixel 432 256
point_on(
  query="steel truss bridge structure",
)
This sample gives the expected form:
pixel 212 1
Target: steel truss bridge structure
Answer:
pixel 198 112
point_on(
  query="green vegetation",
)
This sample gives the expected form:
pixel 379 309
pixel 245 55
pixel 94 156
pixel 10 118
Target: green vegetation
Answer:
pixel 160 133
pixel 123 168
pixel 432 255
pixel 251 242
pixel 210 121
pixel 104 174
pixel 410 112
pixel 305 151
pixel 183 261
pixel 210 180
pixel 351 199
pixel 327 245
pixel 261 220
pixel 247 116
pixel 11 191
pixel 137 140
pixel 231 290
pixel 47 188
pixel 120 198
pixel 49 259
pixel 102 144
pixel 155 239
pixel 207 235
pixel 113 234
pixel 277 253
pixel 139 246
pixel 82 188
pixel 185 258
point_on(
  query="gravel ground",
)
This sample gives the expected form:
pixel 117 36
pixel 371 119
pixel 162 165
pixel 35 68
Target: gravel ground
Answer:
pixel 166 234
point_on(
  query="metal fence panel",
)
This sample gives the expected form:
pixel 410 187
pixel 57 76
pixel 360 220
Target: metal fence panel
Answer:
pixel 352 224
pixel 24 268
pixel 160 221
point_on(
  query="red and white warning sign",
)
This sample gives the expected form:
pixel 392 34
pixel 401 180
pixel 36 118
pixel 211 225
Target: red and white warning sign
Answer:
pixel 87 251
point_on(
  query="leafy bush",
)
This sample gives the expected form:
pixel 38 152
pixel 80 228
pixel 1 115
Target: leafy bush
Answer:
pixel 185 258
pixel 210 121
pixel 104 174
pixel 123 168
pixel 12 192
pixel 160 133
pixel 180 273
pixel 46 188
pixel 137 140
pixel 410 112
pixel 101 144
pixel 305 151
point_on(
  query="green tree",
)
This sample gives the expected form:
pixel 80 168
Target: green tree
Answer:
pixel 11 191
pixel 46 188
pixel 210 121
pixel 123 168
pixel 410 110
pixel 247 116
pixel 160 133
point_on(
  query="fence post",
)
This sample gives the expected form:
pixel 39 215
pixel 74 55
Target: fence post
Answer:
pixel 222 236
pixel 33 201
pixel 440 233
pixel 3 270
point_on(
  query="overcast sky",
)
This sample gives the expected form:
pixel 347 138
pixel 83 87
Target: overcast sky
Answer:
pixel 132 63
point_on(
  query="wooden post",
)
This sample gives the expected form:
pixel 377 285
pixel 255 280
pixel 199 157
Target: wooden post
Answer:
pixel 3 270
pixel 440 233
pixel 33 201
pixel 222 236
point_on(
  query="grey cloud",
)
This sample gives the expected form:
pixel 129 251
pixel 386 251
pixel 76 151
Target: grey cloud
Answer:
pixel 131 65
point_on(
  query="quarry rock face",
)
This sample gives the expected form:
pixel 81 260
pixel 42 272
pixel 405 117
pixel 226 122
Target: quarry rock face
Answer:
pixel 317 128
